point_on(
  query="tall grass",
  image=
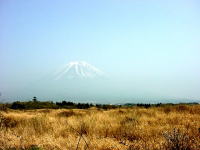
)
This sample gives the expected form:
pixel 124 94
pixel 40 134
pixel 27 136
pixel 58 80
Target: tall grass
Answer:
pixel 156 128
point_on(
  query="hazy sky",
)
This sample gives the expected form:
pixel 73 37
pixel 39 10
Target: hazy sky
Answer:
pixel 153 42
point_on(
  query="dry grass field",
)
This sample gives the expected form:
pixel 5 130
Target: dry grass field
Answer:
pixel 156 128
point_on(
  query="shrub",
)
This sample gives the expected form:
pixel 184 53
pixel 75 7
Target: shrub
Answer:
pixel 182 108
pixel 3 107
pixel 83 128
pixel 6 122
pixel 33 147
pixel 126 129
pixel 17 105
pixel 40 124
pixel 167 109
pixel 66 113
pixel 176 140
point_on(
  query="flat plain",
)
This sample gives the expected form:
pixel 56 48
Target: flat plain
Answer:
pixel 131 128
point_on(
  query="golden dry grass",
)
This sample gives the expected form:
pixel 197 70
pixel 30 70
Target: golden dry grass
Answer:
pixel 156 128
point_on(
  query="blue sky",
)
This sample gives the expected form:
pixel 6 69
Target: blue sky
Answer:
pixel 143 40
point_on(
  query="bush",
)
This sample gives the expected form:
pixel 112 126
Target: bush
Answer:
pixel 3 107
pixel 34 147
pixel 182 108
pixel 144 105
pixel 176 140
pixel 66 113
pixel 17 105
pixel 167 109
pixel 6 122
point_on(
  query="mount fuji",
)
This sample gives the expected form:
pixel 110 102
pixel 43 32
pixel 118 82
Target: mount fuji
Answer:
pixel 77 80
pixel 78 70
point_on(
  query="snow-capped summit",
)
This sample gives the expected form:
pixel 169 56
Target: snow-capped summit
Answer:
pixel 78 69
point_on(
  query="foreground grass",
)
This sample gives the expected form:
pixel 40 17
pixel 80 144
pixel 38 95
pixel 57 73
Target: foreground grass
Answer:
pixel 156 128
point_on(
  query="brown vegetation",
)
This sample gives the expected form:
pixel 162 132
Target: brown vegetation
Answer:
pixel 155 128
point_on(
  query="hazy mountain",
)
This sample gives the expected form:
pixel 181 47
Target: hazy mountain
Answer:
pixel 77 80
pixel 82 82
pixel 78 70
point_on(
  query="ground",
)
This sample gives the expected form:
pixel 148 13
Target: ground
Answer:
pixel 133 128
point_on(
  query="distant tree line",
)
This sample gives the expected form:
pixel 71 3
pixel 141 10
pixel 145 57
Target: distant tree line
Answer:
pixel 66 104
pixel 57 105
pixel 35 104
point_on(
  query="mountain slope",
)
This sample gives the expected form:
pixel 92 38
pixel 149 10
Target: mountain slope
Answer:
pixel 78 69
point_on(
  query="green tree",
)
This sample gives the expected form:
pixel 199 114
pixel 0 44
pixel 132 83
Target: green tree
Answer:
pixel 34 99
